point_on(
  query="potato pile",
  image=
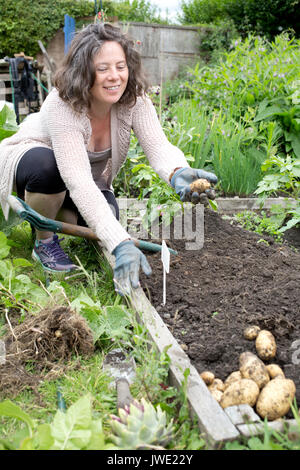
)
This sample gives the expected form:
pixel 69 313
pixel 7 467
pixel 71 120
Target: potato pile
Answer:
pixel 262 386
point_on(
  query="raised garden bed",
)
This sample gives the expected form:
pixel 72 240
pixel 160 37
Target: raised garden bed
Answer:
pixel 234 281
pixel 212 294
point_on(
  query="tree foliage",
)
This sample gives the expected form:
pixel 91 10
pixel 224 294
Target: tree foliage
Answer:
pixel 201 11
pixel 133 10
pixel 267 17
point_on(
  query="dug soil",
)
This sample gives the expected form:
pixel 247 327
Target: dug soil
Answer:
pixel 234 281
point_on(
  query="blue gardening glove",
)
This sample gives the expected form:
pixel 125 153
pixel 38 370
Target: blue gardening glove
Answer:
pixel 129 259
pixel 183 178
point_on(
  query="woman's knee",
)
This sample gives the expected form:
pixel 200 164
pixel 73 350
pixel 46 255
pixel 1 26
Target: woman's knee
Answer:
pixel 37 172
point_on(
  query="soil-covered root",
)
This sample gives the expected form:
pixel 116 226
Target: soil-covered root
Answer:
pixel 45 341
pixel 50 336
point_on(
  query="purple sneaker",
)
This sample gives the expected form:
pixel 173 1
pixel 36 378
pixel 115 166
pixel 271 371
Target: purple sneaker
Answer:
pixel 51 256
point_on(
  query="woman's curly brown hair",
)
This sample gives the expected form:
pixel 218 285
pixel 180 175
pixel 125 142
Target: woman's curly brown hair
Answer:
pixel 76 76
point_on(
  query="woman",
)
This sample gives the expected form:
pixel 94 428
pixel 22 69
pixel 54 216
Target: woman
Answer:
pixel 63 159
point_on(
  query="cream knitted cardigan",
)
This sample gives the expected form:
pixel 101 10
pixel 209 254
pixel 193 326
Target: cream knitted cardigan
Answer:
pixel 58 127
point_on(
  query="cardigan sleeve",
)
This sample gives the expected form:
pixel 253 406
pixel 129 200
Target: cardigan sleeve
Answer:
pixel 69 137
pixel 163 156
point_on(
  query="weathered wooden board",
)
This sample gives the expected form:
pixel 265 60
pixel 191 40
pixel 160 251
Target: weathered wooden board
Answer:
pixel 258 428
pixel 242 414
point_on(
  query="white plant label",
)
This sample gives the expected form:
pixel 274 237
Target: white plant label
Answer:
pixel 165 257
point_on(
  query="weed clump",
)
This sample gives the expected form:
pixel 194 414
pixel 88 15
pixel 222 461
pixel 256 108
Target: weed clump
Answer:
pixel 39 348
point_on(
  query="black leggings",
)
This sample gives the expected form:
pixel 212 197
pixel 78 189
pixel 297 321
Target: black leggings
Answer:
pixel 37 172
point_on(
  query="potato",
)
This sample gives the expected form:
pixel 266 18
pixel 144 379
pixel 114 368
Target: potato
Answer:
pixel 240 392
pixel 251 332
pixel 265 345
pixel 200 185
pixel 217 384
pixel 233 377
pixel 207 377
pixel 217 394
pixel 274 370
pixel 251 367
pixel 275 398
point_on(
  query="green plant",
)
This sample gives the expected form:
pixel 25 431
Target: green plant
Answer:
pixel 141 426
pixel 92 290
pixel 108 323
pixel 253 70
pixel 19 30
pixel 173 90
pixel 267 18
pixel 236 156
pixel 263 223
pixel 289 439
pixel 288 116
pixel 75 429
pixel 216 39
pixel 190 130
pixel 126 183
pixel 8 123
pixel 251 97
pixel 16 288
pixel 138 179
pixel 283 175
pixel 135 10
pixel 201 11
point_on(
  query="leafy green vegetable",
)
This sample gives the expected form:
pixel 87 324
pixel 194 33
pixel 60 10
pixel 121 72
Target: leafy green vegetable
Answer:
pixel 73 430
pixel 8 123
pixel 106 322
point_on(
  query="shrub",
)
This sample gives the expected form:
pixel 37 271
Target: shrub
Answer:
pixel 267 18
pixel 23 22
pixel 252 100
pixel 201 11
pixel 254 70
pixel 135 10
pixel 217 39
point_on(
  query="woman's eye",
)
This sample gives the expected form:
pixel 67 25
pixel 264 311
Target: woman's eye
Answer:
pixel 105 69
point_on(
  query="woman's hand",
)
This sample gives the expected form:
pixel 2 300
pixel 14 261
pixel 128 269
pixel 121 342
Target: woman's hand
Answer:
pixel 183 179
pixel 129 259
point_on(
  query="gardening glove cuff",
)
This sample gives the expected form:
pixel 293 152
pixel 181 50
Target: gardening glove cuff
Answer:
pixel 183 178
pixel 129 260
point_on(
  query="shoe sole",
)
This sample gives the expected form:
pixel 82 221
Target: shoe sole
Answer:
pixel 56 271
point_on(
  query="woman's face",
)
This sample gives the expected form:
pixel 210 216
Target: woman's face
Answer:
pixel 111 74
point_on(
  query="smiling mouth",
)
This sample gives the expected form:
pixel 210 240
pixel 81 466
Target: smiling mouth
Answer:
pixel 112 88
